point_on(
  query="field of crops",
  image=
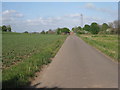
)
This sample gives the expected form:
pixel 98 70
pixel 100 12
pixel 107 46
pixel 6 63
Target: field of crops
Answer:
pixel 24 54
pixel 108 44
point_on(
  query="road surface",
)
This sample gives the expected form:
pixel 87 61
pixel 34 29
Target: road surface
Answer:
pixel 78 65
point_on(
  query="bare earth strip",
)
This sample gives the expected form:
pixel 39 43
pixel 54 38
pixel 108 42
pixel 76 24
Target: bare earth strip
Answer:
pixel 78 65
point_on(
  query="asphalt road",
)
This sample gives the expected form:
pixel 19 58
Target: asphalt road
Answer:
pixel 78 65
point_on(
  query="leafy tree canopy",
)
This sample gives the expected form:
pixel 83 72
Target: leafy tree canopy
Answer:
pixel 94 28
pixel 86 27
pixel 104 27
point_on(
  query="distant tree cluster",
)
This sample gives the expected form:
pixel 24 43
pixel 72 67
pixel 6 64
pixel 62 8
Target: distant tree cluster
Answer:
pixel 58 31
pixel 62 31
pixel 43 32
pixel 94 28
pixel 78 30
pixel 50 31
pixel 26 32
pixel 5 28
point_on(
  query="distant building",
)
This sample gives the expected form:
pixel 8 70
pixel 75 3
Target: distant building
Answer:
pixel 51 32
pixel 109 30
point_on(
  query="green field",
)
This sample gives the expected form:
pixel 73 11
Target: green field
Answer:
pixel 24 54
pixel 108 44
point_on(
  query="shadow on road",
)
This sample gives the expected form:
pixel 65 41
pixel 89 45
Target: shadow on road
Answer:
pixel 45 88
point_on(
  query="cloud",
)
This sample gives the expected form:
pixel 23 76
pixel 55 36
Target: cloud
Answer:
pixel 92 7
pixel 89 20
pixel 19 24
pixel 71 20
pixel 43 21
pixel 73 15
pixel 19 15
pixel 89 5
pixel 7 12
pixel 11 13
pixel 11 16
pixel 75 19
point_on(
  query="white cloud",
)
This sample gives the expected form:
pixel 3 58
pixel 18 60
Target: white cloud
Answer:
pixel 19 15
pixel 73 15
pixel 7 12
pixel 89 5
pixel 43 21
pixel 13 18
pixel 69 21
pixel 89 20
pixel 11 13
pixel 109 11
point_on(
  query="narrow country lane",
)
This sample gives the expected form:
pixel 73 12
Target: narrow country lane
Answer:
pixel 78 65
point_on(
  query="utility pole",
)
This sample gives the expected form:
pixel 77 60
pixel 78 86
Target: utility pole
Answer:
pixel 81 20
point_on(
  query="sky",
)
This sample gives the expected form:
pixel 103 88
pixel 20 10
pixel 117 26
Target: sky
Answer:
pixel 38 16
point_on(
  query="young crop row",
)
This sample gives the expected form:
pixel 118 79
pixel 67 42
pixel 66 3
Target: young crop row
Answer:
pixel 17 47
pixel 41 47
pixel 108 44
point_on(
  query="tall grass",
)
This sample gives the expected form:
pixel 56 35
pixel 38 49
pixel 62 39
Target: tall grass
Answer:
pixel 108 44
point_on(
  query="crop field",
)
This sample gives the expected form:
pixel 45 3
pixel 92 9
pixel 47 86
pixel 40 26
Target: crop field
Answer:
pixel 108 44
pixel 23 54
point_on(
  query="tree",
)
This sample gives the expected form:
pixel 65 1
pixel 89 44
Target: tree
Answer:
pixel 26 32
pixel 43 32
pixel 4 28
pixel 9 28
pixel 46 32
pixel 104 27
pixel 65 30
pixel 94 28
pixel 0 28
pixel 110 24
pixel 86 27
pixel 77 29
pixel 73 29
pixel 114 27
pixel 58 31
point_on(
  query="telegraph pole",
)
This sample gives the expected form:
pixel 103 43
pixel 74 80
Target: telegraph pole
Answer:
pixel 81 20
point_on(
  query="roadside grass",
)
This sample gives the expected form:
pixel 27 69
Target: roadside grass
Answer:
pixel 108 44
pixel 31 51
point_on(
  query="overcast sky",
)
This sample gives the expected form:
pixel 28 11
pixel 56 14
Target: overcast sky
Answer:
pixel 38 16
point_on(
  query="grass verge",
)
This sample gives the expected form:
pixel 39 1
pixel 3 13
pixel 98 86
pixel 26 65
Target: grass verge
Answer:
pixel 108 44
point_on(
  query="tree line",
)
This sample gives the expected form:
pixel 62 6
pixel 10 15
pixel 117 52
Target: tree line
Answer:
pixel 94 28
pixel 58 31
